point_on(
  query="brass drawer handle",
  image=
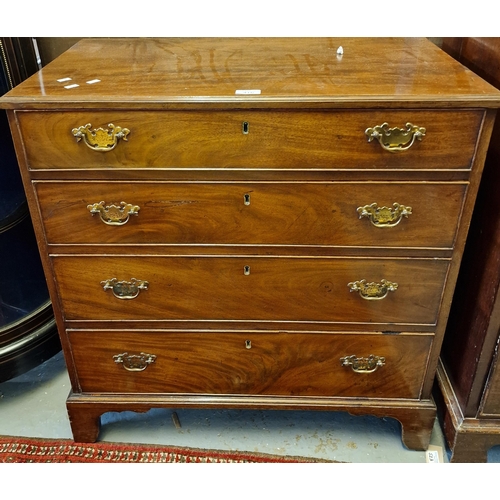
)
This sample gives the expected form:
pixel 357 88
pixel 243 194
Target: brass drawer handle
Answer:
pixel 363 365
pixel 384 216
pixel 134 362
pixel 373 291
pixel 112 214
pixel 125 289
pixel 395 139
pixel 100 139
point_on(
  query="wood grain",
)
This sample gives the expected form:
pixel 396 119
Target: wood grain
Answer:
pixel 276 364
pixel 278 289
pixel 277 213
pixel 210 139
pixel 305 162
pixel 289 72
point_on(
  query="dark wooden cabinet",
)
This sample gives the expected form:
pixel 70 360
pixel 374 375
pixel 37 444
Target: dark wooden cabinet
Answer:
pixel 469 370
pixel 252 223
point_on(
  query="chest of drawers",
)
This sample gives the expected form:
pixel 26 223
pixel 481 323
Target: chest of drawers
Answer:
pixel 252 223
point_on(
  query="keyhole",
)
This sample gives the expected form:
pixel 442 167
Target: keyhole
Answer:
pixel 246 270
pixel 245 126
pixel 248 344
pixel 246 199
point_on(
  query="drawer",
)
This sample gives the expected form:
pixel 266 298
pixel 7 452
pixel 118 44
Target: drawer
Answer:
pixel 249 288
pixel 286 364
pixel 257 213
pixel 290 139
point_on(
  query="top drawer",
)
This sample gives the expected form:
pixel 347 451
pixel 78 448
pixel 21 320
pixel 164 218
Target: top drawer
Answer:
pixel 249 139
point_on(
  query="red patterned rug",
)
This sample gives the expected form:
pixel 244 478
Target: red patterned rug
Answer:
pixel 24 450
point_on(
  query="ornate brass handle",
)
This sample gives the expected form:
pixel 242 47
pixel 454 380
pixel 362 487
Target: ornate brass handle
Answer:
pixel 384 216
pixel 363 365
pixel 112 214
pixel 135 362
pixel 125 289
pixel 373 291
pixel 100 139
pixel 395 139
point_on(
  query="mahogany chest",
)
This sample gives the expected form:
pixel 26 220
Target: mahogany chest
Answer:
pixel 252 223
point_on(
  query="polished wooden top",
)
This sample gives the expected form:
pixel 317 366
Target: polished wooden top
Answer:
pixel 253 72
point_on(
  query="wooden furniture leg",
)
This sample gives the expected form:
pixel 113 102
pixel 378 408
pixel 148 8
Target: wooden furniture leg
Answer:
pixel 468 438
pixel 85 421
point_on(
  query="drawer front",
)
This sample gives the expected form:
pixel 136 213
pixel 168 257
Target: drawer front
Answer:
pixel 249 288
pixel 287 364
pixel 257 213
pixel 271 139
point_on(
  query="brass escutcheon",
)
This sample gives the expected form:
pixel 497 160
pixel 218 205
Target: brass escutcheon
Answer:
pixel 384 216
pixel 373 291
pixel 363 365
pixel 134 362
pixel 100 139
pixel 395 139
pixel 125 289
pixel 114 215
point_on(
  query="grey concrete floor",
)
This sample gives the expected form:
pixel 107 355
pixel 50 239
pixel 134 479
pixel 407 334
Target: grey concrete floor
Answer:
pixel 33 404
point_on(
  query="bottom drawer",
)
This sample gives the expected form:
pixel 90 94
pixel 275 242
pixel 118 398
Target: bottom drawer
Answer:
pixel 286 364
